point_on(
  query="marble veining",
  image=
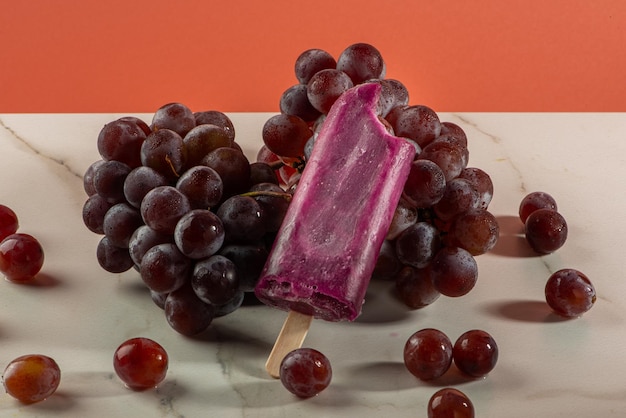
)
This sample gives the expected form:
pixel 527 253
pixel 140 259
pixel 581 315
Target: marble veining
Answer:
pixel 78 314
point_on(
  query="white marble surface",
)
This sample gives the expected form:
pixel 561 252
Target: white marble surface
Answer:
pixel 78 314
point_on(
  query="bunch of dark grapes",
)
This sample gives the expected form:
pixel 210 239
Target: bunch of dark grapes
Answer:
pixel 178 201
pixel 442 221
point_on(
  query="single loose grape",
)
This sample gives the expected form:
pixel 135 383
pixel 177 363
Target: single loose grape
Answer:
pixel 8 222
pixel 546 230
pixel 21 257
pixel 570 293
pixel 31 378
pixel 305 372
pixel 534 201
pixel 450 403
pixel 475 353
pixel 140 363
pixel 428 354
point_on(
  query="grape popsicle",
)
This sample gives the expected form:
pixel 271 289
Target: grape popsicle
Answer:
pixel 328 244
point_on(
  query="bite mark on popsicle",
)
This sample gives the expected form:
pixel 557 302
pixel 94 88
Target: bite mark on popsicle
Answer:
pixel 326 249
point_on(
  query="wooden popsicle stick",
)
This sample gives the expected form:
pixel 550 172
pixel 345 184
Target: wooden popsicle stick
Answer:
pixel 291 337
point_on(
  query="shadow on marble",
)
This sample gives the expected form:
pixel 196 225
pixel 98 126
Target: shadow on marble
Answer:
pixel 523 311
pixel 381 305
pixel 512 242
pixel 382 376
pixel 43 280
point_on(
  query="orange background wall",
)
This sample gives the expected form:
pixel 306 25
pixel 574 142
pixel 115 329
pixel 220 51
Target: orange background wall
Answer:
pixel 238 55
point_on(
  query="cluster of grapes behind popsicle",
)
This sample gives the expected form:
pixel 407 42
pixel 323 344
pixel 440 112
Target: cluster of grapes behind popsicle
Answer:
pixel 179 193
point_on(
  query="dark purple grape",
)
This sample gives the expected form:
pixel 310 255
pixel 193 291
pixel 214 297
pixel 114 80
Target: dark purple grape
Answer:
pixel 261 172
pixel 417 245
pixel 139 122
pixel 450 403
pixel 454 130
pixel 475 353
pixel 249 259
pixel 570 293
pixel 361 62
pixel 215 280
pixel 286 135
pixel 203 139
pixel 546 230
pixel 387 263
pixel 232 305
pixel 242 219
pixel 459 196
pixel 274 202
pixel 109 180
pixel 202 185
pixel 94 210
pixel 310 62
pixel 417 122
pixel 392 94
pixel 111 258
pixel 453 271
pixel 404 216
pixel 143 239
pixel 533 201
pixel 428 354
pixel 481 182
pixel 186 313
pixel 294 101
pixel 139 182
pixel 215 117
pixel 88 177
pixel 425 185
pixel 199 234
pixel 475 230
pixel 174 116
pixel 120 221
pixel 164 268
pixel 162 207
pixel 305 372
pixel 9 223
pixel 415 288
pixel 325 87
pixel 121 140
pixel 448 156
pixel 164 151
pixel 233 168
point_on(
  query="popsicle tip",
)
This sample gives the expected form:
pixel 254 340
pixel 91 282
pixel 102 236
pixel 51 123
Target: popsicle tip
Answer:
pixel 291 337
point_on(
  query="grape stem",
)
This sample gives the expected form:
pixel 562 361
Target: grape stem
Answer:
pixel 257 193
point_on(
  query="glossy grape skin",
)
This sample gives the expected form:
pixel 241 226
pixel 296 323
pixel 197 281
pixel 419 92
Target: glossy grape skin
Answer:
pixel 450 403
pixel 31 378
pixel 140 363
pixel 8 222
pixel 482 183
pixel 545 230
pixel 144 238
pixel 111 258
pixel 121 140
pixel 162 208
pixel 475 353
pixel 294 101
pixel 249 259
pixel 417 245
pixel 202 186
pixel 458 197
pixel 286 135
pixel 325 87
pixel 164 151
pixel 361 62
pixel 233 168
pixel 174 116
pixel 428 354
pixel 274 202
pixel 415 288
pixel 570 293
pixel 88 178
pixel 139 182
pixel 21 257
pixel 454 271
pixel 242 217
pixel 215 280
pixel 425 185
pixel 120 222
pixel 94 211
pixel 164 268
pixel 305 372
pixel 186 313
pixel 392 94
pixel 533 201
pixel 475 230
pixel 199 234
pixel 450 157
pixel 108 180
pixel 203 139
pixel 217 118
pixel 310 62
pixel 404 216
pixel 417 122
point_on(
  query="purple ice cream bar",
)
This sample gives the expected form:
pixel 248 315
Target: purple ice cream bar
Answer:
pixel 328 244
